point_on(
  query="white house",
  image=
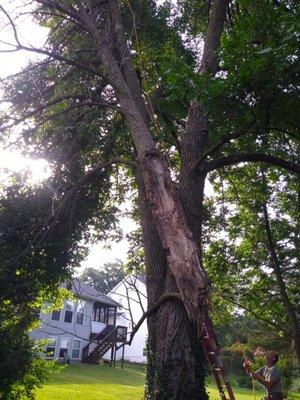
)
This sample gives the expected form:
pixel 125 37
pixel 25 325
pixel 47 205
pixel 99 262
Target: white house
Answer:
pixel 84 329
pixel 90 326
pixel 131 294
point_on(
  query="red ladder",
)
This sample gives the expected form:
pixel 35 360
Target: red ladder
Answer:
pixel 212 351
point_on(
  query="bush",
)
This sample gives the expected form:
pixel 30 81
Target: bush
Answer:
pixel 35 376
pixel 243 382
pixel 288 372
pixel 21 367
pixel 296 385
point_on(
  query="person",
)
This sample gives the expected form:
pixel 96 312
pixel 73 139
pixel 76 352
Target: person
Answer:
pixel 269 376
pixel 66 359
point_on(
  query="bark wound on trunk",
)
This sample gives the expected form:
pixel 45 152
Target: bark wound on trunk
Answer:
pixel 175 367
pixel 176 238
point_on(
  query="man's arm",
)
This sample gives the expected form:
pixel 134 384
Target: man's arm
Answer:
pixel 258 376
pixel 268 384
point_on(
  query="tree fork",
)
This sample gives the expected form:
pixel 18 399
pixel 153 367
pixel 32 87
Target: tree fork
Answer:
pixel 176 237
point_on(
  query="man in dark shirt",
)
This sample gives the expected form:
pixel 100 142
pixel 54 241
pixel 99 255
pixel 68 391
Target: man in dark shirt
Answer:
pixel 269 376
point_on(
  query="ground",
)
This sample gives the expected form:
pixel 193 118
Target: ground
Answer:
pixel 95 382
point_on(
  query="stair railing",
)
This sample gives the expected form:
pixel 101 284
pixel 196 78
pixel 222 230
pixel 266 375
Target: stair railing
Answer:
pixel 85 350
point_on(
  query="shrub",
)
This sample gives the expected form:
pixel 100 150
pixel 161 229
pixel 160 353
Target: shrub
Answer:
pixel 21 366
pixel 243 382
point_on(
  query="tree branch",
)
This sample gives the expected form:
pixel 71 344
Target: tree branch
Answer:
pixel 55 56
pixel 65 10
pixel 252 157
pixel 277 267
pixel 162 300
pixel 20 46
pixel 220 143
pixel 100 167
pixel 256 315
pixel 11 22
pixel 56 101
pixel 209 62
pixel 23 71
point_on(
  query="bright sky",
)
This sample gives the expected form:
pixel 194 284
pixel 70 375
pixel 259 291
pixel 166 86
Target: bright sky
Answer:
pixel 12 161
pixel 10 63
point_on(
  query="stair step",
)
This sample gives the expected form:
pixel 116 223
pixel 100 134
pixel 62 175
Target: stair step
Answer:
pixel 104 343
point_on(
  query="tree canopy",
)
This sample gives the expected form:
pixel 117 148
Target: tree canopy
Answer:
pixel 106 278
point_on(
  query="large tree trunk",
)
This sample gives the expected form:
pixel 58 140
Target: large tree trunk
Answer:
pixel 174 343
pixel 192 173
pixel 175 367
pixel 169 216
pixel 179 369
pixel 192 178
pixel 175 358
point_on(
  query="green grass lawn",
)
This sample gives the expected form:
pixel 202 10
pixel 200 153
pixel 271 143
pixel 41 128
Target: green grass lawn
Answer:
pixel 100 382
pixel 95 382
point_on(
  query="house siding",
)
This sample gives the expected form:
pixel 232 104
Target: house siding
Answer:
pixel 72 330
pixel 129 288
pixel 50 328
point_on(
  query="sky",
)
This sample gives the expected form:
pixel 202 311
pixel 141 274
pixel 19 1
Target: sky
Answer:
pixel 11 160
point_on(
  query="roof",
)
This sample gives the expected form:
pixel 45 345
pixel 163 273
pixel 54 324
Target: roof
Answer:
pixel 142 278
pixel 81 289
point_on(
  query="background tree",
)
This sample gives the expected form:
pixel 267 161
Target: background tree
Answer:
pixel 262 245
pixel 106 278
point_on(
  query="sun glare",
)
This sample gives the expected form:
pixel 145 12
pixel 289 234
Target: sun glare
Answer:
pixel 13 162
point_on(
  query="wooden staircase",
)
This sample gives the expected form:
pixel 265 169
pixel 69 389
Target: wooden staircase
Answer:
pixel 99 345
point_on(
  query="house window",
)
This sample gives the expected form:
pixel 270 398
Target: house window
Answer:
pixel 76 348
pixel 111 316
pixel 121 333
pixel 68 311
pixel 145 351
pixel 104 315
pixel 145 347
pixel 50 348
pixel 100 314
pixel 55 315
pixel 64 347
pixel 80 313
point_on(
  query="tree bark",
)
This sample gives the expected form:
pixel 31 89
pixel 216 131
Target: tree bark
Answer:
pixel 175 367
pixel 193 175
